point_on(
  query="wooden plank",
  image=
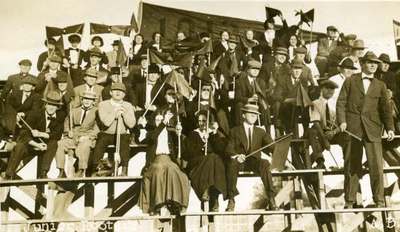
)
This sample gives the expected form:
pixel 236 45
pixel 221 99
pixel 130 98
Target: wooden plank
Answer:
pixel 321 191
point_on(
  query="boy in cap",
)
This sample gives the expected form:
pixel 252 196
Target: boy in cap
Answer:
pixel 46 79
pixel 14 81
pixel 46 128
pixel 389 77
pixel 363 109
pixel 67 94
pixel 244 139
pixel 21 102
pixel 81 129
pixel 90 85
pixel 115 114
pixel 323 132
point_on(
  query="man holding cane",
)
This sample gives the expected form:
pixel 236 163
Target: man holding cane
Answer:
pixel 363 109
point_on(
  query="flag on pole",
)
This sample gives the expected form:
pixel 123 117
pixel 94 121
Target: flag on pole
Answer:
pixel 271 12
pixel 121 54
pixel 302 98
pixel 176 78
pixel 306 17
pixel 96 28
pixel 214 64
pixel 203 71
pixel 122 30
pixel 134 24
pixel 396 30
pixel 60 45
pixel 56 31
pixel 184 60
pixel 156 57
pixel 207 48
pixel 281 150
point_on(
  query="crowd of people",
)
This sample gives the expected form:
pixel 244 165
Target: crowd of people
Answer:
pixel 249 87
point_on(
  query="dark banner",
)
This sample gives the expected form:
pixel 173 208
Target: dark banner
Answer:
pixel 169 21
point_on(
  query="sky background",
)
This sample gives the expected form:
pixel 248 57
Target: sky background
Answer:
pixel 23 21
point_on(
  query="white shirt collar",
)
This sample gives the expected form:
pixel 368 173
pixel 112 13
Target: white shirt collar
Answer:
pixel 115 103
pixel 366 75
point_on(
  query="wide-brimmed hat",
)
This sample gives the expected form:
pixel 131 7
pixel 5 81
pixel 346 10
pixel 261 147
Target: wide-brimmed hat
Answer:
pixel 358 44
pixel 253 64
pixel 370 56
pixel 91 72
pixel 384 58
pixel 281 50
pixel 324 82
pixel 89 95
pixel 99 39
pixel 55 58
pixel 297 63
pixel 347 63
pixel 250 108
pixel 118 86
pixel 53 98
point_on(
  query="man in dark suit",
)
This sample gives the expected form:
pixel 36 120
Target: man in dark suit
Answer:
pixel 221 46
pixel 43 61
pixel 74 55
pixel 232 61
pixel 139 73
pixel 325 46
pixel 21 102
pixel 249 88
pixel 363 109
pixel 14 82
pixel 47 126
pixel 243 140
pixel 95 58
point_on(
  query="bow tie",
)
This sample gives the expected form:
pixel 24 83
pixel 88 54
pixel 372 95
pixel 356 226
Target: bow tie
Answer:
pixel 367 78
pixel 51 117
pixel 75 49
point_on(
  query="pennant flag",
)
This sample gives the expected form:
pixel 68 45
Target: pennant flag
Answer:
pixel 207 48
pixel 281 150
pixel 302 98
pixel 214 64
pixel 174 78
pixel 156 57
pixel 203 72
pixel 248 43
pixel 396 30
pixel 122 30
pixel 121 54
pixel 306 17
pixel 134 24
pixel 189 43
pixel 184 60
pixel 56 31
pixel 271 12
pixel 99 28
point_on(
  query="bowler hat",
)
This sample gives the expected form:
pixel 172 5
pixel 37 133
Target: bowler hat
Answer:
pixel 99 39
pixel 118 86
pixel 358 44
pixel 89 95
pixel 384 58
pixel 74 38
pixel 25 62
pixel 370 56
pixel 347 63
pixel 53 98
pixel 250 108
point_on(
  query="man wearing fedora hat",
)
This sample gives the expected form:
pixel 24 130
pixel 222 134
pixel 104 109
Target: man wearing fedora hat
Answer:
pixel 21 102
pixel 14 81
pixel 363 109
pixel 81 137
pixel 47 125
pixel 346 69
pixel 233 60
pixel 47 79
pixel 114 113
pixel 90 84
pixel 244 139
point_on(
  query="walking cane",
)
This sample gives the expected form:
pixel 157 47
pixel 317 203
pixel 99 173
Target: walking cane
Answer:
pixel 255 92
pixel 178 122
pixel 70 117
pixel 117 148
pixel 30 128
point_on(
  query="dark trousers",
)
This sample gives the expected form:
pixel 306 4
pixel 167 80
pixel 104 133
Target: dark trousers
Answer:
pixel 24 150
pixel 353 169
pixel 259 166
pixel 105 140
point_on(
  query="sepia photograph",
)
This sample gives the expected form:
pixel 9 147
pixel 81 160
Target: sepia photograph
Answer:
pixel 199 116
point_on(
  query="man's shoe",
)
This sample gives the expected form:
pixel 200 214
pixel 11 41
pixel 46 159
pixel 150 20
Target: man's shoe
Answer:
pixel 271 205
pixel 231 205
pixel 214 205
pixel 80 173
pixel 124 171
pixel 43 175
pixel 380 205
pixel 61 173
pixel 205 196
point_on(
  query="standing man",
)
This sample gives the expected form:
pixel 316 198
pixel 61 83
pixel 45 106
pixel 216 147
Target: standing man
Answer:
pixel 89 85
pixel 244 139
pixel 113 55
pixel 14 81
pixel 325 46
pixel 74 56
pixel 363 109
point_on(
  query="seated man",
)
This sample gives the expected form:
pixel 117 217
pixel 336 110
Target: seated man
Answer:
pixel 82 131
pixel 42 130
pixel 21 102
pixel 244 139
pixel 89 85
pixel 114 114
pixel 324 130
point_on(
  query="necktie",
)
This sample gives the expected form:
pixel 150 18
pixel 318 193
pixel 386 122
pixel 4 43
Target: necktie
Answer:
pixel 24 97
pixel 83 116
pixel 250 140
pixel 327 113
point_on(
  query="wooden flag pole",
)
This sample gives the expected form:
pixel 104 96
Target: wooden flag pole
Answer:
pixel 178 121
pixel 70 117
pixel 117 147
pixel 29 128
pixel 268 145
pixel 154 98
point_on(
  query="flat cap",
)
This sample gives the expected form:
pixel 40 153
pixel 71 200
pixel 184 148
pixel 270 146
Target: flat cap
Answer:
pixel 118 86
pixel 254 64
pixel 61 78
pixel 25 62
pixel 358 44
pixel 347 63
pixel 297 63
pixel 89 95
pixel 95 52
pixel 300 50
pixel 91 72
pixel 350 37
pixel 331 28
pixel 328 84
pixel 281 50
pixel 29 80
pixel 55 58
